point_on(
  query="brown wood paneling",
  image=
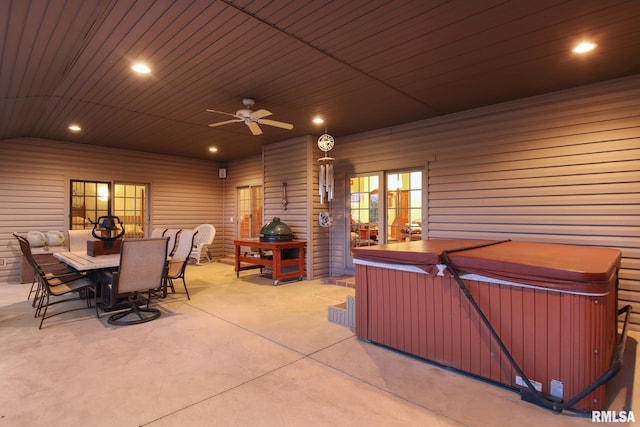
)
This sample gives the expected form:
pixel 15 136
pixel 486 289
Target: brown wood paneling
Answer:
pixel 372 62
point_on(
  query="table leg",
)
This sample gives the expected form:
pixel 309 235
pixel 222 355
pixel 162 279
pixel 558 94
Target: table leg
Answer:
pixel 276 266
pixel 300 261
pixel 237 260
pixel 165 285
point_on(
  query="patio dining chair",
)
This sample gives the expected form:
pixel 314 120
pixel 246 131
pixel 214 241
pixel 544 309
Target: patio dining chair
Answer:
pixel 174 235
pixel 55 286
pixel 46 262
pixel 158 232
pixel 179 260
pixel 78 240
pixel 50 284
pixel 142 270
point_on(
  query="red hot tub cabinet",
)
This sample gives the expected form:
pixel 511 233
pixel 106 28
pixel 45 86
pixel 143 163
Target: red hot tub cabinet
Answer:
pixel 553 306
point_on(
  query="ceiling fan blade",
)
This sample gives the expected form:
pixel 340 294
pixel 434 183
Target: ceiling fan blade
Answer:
pixel 282 125
pixel 260 114
pixel 226 122
pixel 255 129
pixel 221 112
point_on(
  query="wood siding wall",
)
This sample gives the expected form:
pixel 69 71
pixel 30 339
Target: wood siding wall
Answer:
pixel 563 167
pixel 291 161
pixel 35 178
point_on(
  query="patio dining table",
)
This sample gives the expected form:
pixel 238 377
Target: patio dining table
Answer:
pixel 83 262
pixel 95 265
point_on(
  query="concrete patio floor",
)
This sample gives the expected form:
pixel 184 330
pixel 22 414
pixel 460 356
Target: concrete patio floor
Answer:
pixel 242 352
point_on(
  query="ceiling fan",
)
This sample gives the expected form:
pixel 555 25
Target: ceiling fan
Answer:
pixel 251 118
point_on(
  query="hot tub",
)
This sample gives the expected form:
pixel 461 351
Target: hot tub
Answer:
pixel 553 307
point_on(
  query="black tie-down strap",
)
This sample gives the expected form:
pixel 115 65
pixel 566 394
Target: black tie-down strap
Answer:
pixel 529 393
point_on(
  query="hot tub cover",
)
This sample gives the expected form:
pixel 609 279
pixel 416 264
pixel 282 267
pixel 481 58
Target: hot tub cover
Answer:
pixel 571 268
pixel 424 254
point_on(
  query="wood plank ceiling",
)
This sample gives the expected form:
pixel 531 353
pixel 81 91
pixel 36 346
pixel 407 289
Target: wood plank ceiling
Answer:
pixel 361 64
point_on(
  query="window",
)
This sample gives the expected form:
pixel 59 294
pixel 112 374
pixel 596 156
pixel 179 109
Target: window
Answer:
pixel 89 201
pixel 93 199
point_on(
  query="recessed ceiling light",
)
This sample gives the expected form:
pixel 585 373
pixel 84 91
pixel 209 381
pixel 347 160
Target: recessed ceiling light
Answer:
pixel 213 149
pixel 584 47
pixel 75 128
pixel 141 68
pixel 318 120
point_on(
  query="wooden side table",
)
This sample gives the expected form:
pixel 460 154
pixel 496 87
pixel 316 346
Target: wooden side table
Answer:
pixel 294 250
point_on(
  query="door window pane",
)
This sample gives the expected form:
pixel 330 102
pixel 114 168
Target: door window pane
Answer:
pixel 249 212
pixel 129 206
pixel 404 206
pixel 365 208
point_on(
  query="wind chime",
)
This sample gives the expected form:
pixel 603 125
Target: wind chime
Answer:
pixel 326 184
pixel 325 179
